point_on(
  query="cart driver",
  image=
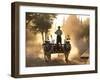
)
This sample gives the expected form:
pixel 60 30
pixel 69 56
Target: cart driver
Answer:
pixel 58 33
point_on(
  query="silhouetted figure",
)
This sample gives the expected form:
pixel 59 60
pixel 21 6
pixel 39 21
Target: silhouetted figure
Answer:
pixel 58 33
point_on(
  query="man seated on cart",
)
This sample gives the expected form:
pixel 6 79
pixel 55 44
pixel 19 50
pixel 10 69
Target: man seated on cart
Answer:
pixel 58 33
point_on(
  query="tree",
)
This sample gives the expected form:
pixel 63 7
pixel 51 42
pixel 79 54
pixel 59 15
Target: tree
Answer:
pixel 42 22
pixel 86 28
pixel 29 17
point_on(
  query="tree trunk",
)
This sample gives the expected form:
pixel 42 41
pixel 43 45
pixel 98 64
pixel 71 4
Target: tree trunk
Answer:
pixel 42 37
pixel 45 36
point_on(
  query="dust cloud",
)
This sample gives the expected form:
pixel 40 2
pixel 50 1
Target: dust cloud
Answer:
pixel 75 27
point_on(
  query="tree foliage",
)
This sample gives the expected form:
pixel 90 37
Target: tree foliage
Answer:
pixel 42 22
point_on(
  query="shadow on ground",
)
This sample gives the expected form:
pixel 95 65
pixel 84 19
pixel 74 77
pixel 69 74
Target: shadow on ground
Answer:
pixel 36 62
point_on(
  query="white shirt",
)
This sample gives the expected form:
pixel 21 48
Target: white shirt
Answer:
pixel 58 32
